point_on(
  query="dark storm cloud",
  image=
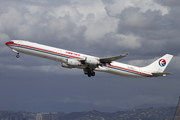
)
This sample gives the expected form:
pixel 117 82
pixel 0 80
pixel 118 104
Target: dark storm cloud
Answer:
pixel 153 29
pixel 135 22
pixel 170 3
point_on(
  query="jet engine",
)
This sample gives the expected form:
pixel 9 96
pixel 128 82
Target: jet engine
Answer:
pixel 92 61
pixel 65 65
pixel 70 63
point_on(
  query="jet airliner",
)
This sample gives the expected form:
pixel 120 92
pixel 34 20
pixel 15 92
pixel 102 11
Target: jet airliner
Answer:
pixel 90 64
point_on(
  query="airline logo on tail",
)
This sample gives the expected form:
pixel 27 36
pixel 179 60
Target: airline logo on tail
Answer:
pixel 162 62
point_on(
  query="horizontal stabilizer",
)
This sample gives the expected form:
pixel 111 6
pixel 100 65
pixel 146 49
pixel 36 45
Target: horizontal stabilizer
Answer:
pixel 161 74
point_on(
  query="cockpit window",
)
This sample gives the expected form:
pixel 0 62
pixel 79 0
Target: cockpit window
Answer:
pixel 11 41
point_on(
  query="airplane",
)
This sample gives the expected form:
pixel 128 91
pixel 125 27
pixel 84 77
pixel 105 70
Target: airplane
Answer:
pixel 90 64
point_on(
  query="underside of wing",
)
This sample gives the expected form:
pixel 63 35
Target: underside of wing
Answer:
pixel 110 59
pixel 161 74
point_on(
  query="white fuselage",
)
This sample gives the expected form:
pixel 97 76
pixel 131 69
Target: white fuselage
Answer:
pixel 60 55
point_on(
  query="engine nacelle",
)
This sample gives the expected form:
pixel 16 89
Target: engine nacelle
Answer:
pixel 70 63
pixel 65 65
pixel 92 61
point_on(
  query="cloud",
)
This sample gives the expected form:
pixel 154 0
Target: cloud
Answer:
pixel 120 41
pixel 152 28
pixel 16 24
pixel 115 7
pixel 135 22
pixel 65 10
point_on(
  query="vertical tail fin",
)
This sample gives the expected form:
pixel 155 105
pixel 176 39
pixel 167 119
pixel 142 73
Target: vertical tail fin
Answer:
pixel 160 64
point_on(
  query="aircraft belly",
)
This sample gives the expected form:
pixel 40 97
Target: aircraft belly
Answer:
pixel 101 69
pixel 124 72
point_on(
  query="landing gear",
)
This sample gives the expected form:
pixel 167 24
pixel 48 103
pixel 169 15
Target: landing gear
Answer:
pixel 17 55
pixel 89 72
pixel 16 52
pixel 93 74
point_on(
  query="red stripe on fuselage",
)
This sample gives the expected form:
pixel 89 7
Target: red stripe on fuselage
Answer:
pixel 15 44
pixel 129 70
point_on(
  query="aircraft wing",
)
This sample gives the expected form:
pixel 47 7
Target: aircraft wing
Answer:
pixel 110 59
pixel 161 74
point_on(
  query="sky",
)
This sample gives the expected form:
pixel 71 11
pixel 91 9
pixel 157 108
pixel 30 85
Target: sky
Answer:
pixel 147 29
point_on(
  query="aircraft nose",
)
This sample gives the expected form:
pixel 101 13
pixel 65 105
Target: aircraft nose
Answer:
pixel 8 43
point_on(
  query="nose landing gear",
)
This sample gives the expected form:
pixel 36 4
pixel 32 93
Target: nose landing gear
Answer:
pixel 16 52
pixel 17 55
